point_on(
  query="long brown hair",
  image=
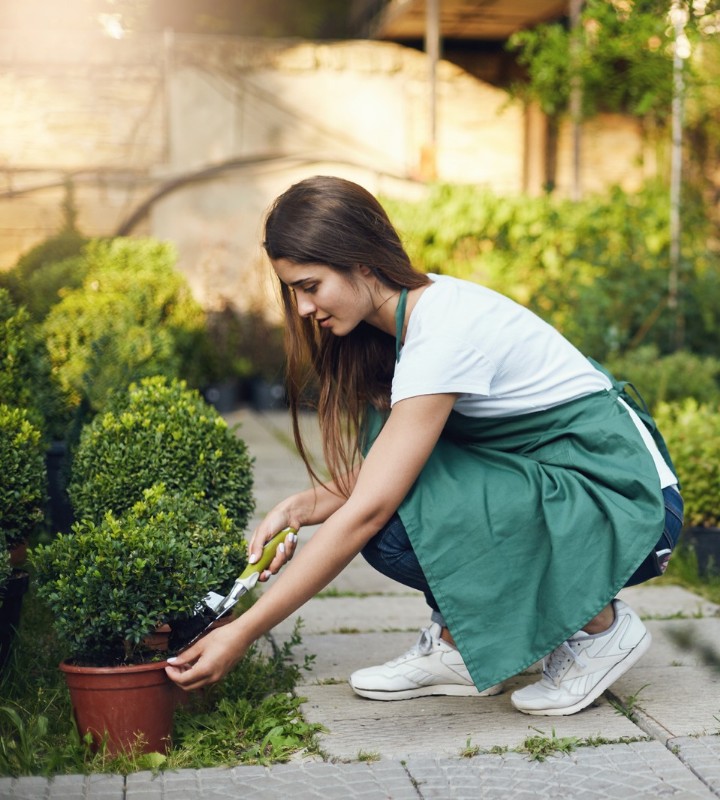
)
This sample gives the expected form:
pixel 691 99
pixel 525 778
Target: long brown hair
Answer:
pixel 334 222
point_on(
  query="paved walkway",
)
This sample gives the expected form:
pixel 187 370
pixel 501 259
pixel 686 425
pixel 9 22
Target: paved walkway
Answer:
pixel 453 748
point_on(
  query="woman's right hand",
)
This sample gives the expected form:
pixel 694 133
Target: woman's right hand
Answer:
pixel 277 520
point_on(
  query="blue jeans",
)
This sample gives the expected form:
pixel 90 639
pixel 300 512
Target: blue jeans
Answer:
pixel 391 553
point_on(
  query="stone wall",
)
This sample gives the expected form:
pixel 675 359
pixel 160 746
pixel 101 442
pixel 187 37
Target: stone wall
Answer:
pixel 189 138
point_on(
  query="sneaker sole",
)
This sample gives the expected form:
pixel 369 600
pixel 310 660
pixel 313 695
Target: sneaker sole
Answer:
pixel 619 669
pixel 451 690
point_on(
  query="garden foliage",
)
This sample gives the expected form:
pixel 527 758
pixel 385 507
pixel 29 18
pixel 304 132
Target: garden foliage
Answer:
pixel 692 434
pixel 160 431
pixel 132 317
pixel 23 484
pixel 109 583
pixel 597 270
pixel 45 271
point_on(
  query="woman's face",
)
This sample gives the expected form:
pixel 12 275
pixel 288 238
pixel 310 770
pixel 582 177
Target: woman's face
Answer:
pixel 336 302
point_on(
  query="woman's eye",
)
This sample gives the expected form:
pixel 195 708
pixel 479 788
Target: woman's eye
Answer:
pixel 310 289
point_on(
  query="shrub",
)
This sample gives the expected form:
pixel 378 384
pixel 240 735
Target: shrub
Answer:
pixel 160 430
pixel 25 377
pixel 692 434
pixel 670 378
pixel 110 583
pixel 16 378
pixel 133 316
pixel 22 466
pixel 34 281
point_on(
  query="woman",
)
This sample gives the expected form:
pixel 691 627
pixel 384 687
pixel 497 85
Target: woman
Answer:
pixel 475 455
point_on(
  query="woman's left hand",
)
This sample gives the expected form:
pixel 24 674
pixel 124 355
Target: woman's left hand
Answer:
pixel 209 659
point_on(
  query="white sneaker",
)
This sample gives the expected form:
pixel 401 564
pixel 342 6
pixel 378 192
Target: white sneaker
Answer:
pixel 431 667
pixel 580 669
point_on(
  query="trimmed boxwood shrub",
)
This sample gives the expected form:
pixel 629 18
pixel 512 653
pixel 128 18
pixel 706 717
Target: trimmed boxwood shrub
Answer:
pixel 160 430
pixel 692 433
pixel 133 316
pixel 110 583
pixel 22 467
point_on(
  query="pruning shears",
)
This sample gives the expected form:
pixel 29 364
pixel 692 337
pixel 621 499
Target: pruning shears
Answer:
pixel 188 630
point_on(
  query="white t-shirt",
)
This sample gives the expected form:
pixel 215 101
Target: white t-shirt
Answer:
pixel 500 358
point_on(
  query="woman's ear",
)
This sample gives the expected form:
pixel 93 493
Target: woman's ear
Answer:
pixel 365 271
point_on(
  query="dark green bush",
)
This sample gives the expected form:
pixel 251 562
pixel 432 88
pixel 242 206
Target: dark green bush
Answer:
pixel 16 360
pixel 669 378
pixel 160 430
pixel 34 281
pixel 45 288
pixel 133 316
pixel 23 483
pixel 692 434
pixel 110 583
pixel 25 376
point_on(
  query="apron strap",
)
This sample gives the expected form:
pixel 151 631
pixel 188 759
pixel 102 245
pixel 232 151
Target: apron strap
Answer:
pixel 399 321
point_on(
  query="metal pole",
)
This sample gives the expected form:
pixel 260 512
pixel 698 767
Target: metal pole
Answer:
pixel 678 17
pixel 432 50
pixel 576 95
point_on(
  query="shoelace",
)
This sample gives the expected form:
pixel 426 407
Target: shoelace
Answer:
pixel 555 664
pixel 422 647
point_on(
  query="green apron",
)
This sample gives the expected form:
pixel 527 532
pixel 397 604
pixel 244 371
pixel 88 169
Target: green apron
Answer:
pixel 527 526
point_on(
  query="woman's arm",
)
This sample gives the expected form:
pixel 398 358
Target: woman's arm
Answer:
pixel 387 474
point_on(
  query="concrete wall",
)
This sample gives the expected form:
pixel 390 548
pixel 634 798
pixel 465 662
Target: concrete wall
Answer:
pixel 189 138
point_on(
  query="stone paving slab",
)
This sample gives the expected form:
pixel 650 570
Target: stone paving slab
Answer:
pixel 638 770
pixel 443 725
pixel 404 613
pixel 702 756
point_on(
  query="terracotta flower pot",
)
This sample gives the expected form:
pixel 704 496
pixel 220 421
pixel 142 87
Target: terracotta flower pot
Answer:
pixel 123 703
pixel 18 554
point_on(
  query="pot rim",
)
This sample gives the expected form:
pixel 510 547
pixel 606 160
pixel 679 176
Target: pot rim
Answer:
pixel 73 669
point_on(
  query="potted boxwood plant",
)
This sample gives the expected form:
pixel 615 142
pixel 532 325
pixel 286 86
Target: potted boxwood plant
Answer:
pixel 109 583
pixel 692 433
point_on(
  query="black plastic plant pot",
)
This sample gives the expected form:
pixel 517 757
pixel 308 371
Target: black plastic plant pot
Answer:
pixel 706 544
pixel 11 596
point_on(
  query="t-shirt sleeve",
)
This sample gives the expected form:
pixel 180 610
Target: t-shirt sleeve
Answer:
pixel 441 364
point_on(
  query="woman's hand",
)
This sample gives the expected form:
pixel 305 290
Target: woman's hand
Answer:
pixel 209 659
pixel 277 520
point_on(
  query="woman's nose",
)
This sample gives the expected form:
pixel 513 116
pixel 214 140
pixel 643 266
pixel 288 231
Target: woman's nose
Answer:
pixel 305 306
